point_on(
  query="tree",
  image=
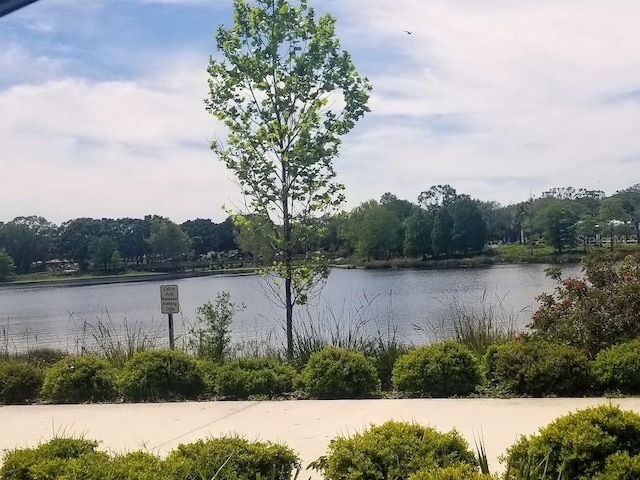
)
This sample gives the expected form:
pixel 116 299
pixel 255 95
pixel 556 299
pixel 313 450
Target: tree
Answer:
pixel 441 233
pixel 560 225
pixel 376 230
pixel 75 237
pixel 168 240
pixel 286 94
pixel 102 249
pixel 417 234
pixel 437 196
pixel 611 211
pixel 6 265
pixel 469 233
pixel 27 240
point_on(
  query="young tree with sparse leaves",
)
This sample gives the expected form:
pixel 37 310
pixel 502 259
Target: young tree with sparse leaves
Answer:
pixel 286 94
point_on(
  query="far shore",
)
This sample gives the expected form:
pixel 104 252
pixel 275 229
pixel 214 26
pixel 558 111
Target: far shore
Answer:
pixel 109 279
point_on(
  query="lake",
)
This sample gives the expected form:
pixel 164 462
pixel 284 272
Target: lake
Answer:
pixel 415 304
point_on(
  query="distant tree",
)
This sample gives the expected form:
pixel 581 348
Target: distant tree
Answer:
pixel 203 234
pixel 496 219
pixel 207 236
pixel 377 231
pixel 101 250
pixel 611 211
pixel 560 226
pixel 6 266
pixel 74 239
pixel 469 232
pixel 631 204
pixel 442 232
pixel 117 263
pixel 417 234
pixel 587 227
pixel 168 240
pixel 437 196
pixel 131 235
pixel 27 240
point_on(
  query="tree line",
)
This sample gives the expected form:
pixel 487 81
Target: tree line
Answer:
pixel 109 244
pixel 440 224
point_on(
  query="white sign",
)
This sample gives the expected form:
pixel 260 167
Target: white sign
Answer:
pixel 169 299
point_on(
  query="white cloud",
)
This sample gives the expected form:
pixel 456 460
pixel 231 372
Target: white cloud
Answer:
pixel 77 148
pixel 496 98
pixel 526 80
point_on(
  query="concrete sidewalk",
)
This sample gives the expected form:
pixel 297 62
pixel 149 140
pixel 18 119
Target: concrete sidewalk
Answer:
pixel 306 426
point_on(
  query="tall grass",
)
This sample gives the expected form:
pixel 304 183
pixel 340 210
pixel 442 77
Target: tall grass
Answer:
pixel 478 326
pixel 12 344
pixel 361 327
pixel 117 343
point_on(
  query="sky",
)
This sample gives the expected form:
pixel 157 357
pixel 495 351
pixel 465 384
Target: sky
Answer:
pixel 102 103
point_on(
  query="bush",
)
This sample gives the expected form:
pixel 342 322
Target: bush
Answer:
pixel 19 464
pixel 594 311
pixel 247 377
pixel 457 472
pixel 209 371
pixel 212 339
pixel 137 466
pixel 442 369
pixel 620 466
pixel 392 450
pixel 20 382
pixel 617 368
pixel 161 375
pixel 538 368
pixel 578 444
pixel 339 373
pixel 232 458
pixel 68 458
pixel 77 379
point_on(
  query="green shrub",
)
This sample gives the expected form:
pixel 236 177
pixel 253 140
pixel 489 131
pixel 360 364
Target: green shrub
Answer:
pixel 19 464
pixel 441 369
pixel 247 377
pixel 339 373
pixel 539 368
pixel 209 371
pixel 77 379
pixel 77 459
pixel 137 466
pixel 620 466
pixel 392 450
pixel 86 467
pixel 617 368
pixel 232 458
pixel 456 472
pixel 596 310
pixel 161 375
pixel 20 382
pixel 578 444
pixel 212 338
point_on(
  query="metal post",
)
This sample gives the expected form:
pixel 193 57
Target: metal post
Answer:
pixel 172 342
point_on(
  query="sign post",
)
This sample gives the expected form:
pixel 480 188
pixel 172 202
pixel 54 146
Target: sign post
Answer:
pixel 169 305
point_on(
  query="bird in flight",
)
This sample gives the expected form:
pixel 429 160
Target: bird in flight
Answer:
pixel 408 32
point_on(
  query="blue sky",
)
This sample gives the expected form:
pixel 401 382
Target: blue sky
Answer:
pixel 102 113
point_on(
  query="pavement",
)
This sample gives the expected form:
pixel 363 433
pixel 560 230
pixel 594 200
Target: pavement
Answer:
pixel 307 426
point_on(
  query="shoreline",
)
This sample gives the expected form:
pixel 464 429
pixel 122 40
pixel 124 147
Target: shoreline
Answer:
pixel 150 277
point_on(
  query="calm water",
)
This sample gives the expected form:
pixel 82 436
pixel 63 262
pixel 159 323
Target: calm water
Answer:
pixel 414 303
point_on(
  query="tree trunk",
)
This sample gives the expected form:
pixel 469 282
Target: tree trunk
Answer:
pixel 289 309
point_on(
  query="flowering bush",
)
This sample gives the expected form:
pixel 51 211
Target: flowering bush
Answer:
pixel 595 311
